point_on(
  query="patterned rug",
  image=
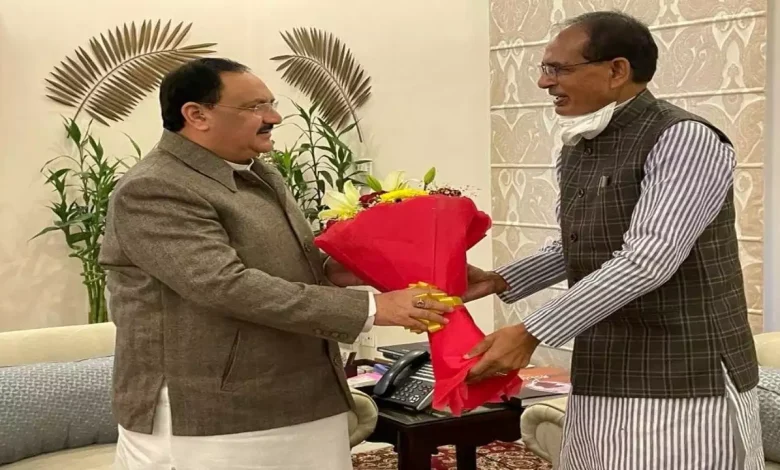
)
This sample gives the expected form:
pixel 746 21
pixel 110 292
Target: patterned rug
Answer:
pixel 495 456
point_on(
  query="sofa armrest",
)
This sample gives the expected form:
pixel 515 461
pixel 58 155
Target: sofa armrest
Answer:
pixel 362 420
pixel 57 344
pixel 541 427
pixel 768 348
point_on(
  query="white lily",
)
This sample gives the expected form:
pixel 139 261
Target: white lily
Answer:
pixel 341 205
pixel 394 181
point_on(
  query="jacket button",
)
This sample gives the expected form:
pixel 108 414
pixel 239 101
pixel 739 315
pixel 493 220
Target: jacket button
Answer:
pixel 589 150
pixel 306 247
pixel 573 237
pixel 580 192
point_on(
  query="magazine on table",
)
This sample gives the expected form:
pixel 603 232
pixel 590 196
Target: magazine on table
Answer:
pixel 543 383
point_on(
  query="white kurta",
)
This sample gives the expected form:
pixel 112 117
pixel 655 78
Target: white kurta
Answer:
pixel 321 445
pixel 708 433
pixel 688 166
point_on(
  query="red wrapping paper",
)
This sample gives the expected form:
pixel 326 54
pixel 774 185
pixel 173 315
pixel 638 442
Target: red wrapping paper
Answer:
pixel 425 239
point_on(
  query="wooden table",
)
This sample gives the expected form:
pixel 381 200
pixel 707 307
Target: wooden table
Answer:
pixel 416 436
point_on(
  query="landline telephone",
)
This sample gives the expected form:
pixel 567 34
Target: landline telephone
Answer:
pixel 408 382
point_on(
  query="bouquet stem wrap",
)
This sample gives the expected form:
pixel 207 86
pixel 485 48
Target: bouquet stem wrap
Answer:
pixel 422 242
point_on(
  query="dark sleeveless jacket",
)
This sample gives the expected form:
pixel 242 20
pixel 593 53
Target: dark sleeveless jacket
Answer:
pixel 671 342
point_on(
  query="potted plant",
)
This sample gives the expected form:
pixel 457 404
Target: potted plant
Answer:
pixel 123 67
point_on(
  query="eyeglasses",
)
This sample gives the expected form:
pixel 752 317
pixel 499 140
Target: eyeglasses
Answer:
pixel 555 70
pixel 260 109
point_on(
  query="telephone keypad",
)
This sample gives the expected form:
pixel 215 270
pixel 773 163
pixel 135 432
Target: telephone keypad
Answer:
pixel 413 391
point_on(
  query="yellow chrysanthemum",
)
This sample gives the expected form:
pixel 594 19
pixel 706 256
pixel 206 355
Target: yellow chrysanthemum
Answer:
pixel 401 194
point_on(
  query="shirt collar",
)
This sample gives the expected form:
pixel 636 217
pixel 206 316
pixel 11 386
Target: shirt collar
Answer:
pixel 240 166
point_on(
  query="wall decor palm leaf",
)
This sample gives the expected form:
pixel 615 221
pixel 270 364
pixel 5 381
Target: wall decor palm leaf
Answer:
pixel 124 65
pixel 324 69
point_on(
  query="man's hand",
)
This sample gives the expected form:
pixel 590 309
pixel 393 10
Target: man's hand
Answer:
pixel 483 283
pixel 407 307
pixel 339 275
pixel 505 350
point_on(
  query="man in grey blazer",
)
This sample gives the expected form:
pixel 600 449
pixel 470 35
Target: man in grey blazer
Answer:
pixel 227 315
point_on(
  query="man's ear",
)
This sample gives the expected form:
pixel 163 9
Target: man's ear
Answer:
pixel 195 115
pixel 620 71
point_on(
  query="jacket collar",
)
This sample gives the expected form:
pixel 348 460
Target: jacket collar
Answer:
pixel 627 114
pixel 206 162
pixel 198 158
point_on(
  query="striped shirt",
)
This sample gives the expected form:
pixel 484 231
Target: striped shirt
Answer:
pixel 687 176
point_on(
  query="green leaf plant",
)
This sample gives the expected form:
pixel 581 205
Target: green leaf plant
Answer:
pixel 318 160
pixel 83 187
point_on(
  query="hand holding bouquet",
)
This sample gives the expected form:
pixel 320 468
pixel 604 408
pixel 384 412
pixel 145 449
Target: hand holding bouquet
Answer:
pixel 399 237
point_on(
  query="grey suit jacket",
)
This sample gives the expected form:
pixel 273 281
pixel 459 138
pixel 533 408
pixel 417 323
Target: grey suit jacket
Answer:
pixel 217 289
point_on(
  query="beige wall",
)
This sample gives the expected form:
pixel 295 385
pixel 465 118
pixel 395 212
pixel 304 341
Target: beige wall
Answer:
pixel 431 93
pixel 712 62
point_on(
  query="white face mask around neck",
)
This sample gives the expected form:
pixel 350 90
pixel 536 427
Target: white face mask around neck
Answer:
pixel 588 125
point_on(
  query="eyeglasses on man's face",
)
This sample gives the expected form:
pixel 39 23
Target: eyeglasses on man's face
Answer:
pixel 260 109
pixel 555 70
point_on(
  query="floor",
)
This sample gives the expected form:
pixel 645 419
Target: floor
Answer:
pixel 494 456
pixel 368 447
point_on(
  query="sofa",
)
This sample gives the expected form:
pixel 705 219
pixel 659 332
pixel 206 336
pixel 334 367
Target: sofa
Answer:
pixel 541 424
pixel 28 352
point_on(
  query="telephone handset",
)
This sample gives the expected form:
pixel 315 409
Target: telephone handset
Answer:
pixel 408 382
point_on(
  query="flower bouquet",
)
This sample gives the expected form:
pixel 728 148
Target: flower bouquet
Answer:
pixel 399 237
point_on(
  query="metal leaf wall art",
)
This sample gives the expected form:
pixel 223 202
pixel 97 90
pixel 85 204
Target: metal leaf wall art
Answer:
pixel 124 65
pixel 324 69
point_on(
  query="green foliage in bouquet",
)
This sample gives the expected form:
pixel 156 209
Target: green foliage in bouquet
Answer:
pixel 83 188
pixel 319 160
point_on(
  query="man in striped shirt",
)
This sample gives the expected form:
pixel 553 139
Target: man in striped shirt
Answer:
pixel 664 365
